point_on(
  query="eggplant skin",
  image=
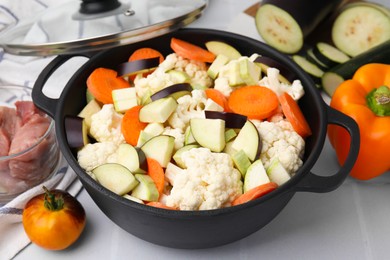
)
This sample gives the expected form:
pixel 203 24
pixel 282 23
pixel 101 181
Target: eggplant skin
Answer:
pixel 307 13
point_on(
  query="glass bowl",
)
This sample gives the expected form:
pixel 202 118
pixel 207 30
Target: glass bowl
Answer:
pixel 29 152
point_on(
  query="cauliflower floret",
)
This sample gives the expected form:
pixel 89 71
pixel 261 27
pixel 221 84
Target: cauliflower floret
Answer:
pixel 189 106
pixel 280 141
pixel 177 133
pixel 93 155
pixel 160 79
pixel 222 84
pixel 209 181
pixel 271 81
pixel 106 125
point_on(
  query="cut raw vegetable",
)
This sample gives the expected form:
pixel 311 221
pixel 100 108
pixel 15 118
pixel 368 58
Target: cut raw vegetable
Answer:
pixel 188 137
pixel 277 173
pixel 190 51
pixel 176 91
pixel 255 102
pixel 220 61
pixel 211 105
pixel 358 28
pixel 91 108
pixel 177 156
pixel 137 66
pixel 76 131
pixel 310 68
pixel 156 172
pixel 335 76
pixel 294 115
pixel 209 133
pixel 378 6
pixel 146 190
pixel 150 131
pixel 146 53
pixel 232 120
pixel 255 193
pixel 178 76
pixel 124 99
pixel 241 162
pixel 329 55
pixel 313 59
pixel 89 96
pixel 229 149
pixel 248 140
pixel 160 148
pixel 217 97
pixel 284 24
pixel 131 125
pixel 218 47
pixel 255 176
pixel 249 72
pixel 171 173
pixel 132 158
pixel 160 205
pixel 230 134
pixel 101 82
pixel 115 177
pixel 158 111
pixel 285 75
pixel 129 197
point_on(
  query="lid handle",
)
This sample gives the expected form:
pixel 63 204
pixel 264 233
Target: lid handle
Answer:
pixel 98 6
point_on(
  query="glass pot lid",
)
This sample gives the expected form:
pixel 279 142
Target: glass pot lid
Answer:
pixel 89 25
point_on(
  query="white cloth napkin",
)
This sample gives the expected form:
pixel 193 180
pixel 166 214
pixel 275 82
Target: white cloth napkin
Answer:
pixel 23 71
pixel 13 238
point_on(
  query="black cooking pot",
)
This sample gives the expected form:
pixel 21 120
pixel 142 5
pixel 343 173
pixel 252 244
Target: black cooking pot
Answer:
pixel 197 229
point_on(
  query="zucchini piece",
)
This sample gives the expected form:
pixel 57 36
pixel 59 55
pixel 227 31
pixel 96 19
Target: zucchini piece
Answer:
pixel 313 59
pixel 284 24
pixel 329 55
pixel 310 68
pixel 359 28
pixel 335 76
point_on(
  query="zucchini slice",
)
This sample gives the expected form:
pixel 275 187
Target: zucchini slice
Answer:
pixel 329 55
pixel 335 76
pixel 310 68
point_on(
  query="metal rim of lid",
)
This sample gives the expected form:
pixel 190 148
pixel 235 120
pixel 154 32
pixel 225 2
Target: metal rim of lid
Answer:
pixel 104 42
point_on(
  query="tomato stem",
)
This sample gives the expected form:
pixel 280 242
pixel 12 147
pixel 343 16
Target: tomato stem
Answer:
pixel 52 202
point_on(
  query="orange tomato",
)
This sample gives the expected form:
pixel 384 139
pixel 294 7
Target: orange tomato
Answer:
pixel 53 220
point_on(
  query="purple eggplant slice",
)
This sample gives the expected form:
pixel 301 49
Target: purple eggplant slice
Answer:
pixel 171 90
pixel 76 131
pixel 232 120
pixel 137 66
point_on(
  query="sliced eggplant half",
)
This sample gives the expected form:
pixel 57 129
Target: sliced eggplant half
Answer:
pixel 232 120
pixel 174 90
pixel 359 28
pixel 137 66
pixel 310 68
pixel 329 55
pixel 284 24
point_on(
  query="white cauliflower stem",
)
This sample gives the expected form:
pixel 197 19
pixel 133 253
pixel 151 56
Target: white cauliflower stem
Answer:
pixel 106 125
pixel 209 181
pixel 280 141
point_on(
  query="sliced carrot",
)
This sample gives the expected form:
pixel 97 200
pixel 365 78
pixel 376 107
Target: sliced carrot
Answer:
pixel 131 126
pixel 255 102
pixel 156 172
pixel 218 98
pixel 294 115
pixel 159 205
pixel 145 53
pixel 255 193
pixel 102 82
pixel 190 51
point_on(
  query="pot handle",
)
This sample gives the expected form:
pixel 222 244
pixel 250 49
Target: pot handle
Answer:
pixel 315 183
pixel 47 104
